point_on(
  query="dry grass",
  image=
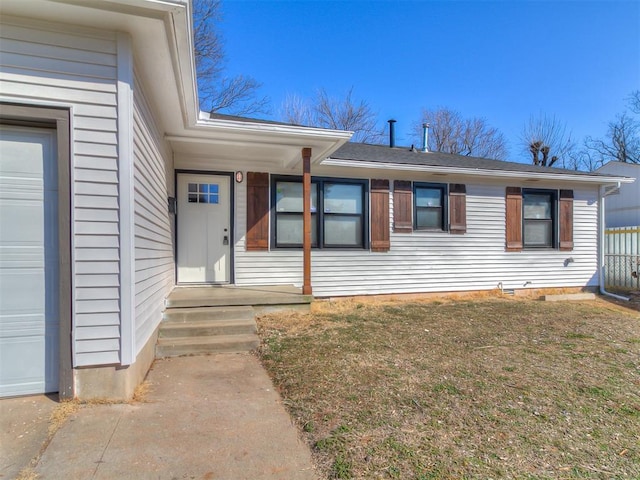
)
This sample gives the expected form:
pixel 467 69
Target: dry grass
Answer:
pixel 141 393
pixel 27 474
pixel 61 413
pixel 472 388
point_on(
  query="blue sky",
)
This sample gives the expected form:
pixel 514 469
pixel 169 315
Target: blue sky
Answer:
pixel 504 61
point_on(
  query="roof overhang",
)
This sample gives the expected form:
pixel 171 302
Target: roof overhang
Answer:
pixel 477 172
pixel 269 143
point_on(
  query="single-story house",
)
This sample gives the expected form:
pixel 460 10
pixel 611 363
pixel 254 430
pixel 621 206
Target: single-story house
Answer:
pixel 115 188
pixel 623 209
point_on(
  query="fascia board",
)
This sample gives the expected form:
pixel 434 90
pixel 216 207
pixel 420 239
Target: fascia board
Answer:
pixel 600 180
pixel 257 127
pixel 143 8
pixel 178 26
pixel 278 137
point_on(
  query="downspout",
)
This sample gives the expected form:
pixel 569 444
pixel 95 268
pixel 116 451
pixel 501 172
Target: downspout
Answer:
pixel 604 192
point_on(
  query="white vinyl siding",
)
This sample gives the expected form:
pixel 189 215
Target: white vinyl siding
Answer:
pixel 424 261
pixel 48 64
pixel 154 262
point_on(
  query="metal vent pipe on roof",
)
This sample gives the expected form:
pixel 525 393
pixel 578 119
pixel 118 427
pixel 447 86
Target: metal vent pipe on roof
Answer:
pixel 392 133
pixel 425 137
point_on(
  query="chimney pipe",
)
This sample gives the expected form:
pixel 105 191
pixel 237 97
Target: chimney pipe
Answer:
pixel 425 137
pixel 392 133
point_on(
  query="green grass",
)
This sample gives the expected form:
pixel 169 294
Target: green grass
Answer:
pixel 493 388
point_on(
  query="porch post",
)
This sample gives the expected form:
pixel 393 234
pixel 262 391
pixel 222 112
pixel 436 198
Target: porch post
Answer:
pixel 306 220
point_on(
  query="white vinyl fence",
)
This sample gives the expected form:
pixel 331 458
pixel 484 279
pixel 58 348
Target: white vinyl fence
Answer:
pixel 622 257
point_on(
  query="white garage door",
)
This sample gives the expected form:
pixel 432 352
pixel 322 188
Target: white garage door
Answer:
pixel 29 323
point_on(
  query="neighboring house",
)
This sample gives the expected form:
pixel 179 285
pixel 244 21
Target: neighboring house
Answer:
pixel 102 140
pixel 623 209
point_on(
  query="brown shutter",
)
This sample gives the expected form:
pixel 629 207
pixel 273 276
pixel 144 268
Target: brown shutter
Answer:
pixel 514 219
pixel 566 219
pixel 457 208
pixel 257 211
pixel 402 207
pixel 380 216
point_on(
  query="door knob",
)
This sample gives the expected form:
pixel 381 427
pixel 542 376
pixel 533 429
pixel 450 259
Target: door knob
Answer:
pixel 225 240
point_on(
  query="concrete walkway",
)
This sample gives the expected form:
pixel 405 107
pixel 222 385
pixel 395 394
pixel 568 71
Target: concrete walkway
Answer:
pixel 205 417
pixel 24 430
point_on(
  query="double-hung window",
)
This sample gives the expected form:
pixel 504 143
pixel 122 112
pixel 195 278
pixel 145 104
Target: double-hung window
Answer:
pixel 429 206
pixel 538 218
pixel 288 214
pixel 343 214
pixel 338 213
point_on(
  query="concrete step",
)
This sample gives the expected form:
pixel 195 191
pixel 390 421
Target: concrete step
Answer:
pixel 175 347
pixel 290 301
pixel 206 328
pixel 178 315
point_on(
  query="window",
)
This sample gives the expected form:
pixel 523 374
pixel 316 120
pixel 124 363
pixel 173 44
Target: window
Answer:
pixel 338 212
pixel 203 193
pixel 343 214
pixel 288 213
pixel 429 206
pixel 537 218
pixel 538 207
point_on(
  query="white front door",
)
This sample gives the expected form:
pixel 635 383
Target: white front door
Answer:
pixel 29 313
pixel 204 229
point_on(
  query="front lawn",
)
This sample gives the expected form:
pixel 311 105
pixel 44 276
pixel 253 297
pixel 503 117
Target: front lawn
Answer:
pixel 488 388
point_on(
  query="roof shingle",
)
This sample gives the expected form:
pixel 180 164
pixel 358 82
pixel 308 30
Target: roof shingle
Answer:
pixel 404 156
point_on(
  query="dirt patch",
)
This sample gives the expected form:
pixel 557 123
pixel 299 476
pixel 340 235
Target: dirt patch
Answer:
pixel 471 388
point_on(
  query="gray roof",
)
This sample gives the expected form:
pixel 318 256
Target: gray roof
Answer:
pixel 405 156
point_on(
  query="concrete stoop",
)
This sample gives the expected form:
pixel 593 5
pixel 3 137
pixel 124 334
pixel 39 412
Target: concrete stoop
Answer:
pixel 202 330
pixel 204 320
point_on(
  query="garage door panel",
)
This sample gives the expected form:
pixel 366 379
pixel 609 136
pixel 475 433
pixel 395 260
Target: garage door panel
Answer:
pixel 24 151
pixel 22 377
pixel 23 291
pixel 22 224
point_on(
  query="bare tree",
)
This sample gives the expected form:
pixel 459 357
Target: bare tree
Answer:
pixel 634 102
pixel 218 93
pixel 622 141
pixel 449 132
pixel 547 141
pixel 339 113
pixel 296 110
